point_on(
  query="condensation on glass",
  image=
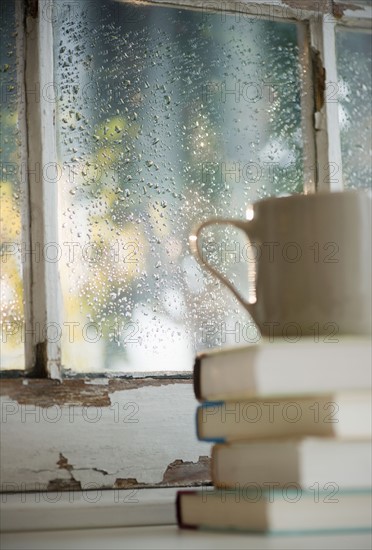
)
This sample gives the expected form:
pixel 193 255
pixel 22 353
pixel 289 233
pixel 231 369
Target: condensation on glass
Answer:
pixel 354 92
pixel 165 118
pixel 11 292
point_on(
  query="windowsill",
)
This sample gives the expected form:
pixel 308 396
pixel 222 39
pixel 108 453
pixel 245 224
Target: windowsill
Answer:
pixel 116 521
pixel 170 538
pixel 96 508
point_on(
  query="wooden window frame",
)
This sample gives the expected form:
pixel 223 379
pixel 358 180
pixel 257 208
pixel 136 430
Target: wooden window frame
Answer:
pixel 162 443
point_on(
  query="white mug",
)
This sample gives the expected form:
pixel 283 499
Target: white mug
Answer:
pixel 312 268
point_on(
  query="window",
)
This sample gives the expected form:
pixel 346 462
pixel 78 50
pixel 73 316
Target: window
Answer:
pixel 354 88
pixel 159 127
pixel 123 126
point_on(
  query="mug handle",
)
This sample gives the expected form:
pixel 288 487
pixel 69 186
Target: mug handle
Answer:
pixel 193 240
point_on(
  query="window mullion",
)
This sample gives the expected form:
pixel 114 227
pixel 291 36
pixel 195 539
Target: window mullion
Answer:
pixel 326 121
pixel 307 109
pixel 41 175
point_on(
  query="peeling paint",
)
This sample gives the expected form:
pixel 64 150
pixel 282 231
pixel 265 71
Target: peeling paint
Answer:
pixel 180 472
pixel 339 8
pixel 63 464
pixel 128 483
pixel 294 9
pixel 319 74
pixel 73 483
pixel 67 447
pixel 101 471
pixel 46 393
pixel 321 6
pixel 64 485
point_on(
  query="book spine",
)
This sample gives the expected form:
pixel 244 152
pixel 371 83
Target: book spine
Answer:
pixel 180 522
pixel 199 421
pixel 196 378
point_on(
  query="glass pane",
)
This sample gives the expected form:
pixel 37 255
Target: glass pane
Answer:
pixel 165 118
pixel 11 294
pixel 355 91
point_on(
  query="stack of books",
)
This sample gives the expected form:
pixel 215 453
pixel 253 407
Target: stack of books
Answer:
pixel 291 423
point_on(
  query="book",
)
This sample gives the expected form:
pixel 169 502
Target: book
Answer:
pixel 342 415
pixel 281 368
pixel 274 511
pixel 307 462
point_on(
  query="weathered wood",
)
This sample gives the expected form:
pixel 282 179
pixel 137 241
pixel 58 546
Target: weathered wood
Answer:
pixel 90 434
pixel 82 392
pixel 327 129
pixel 353 12
pixel 186 473
pixel 39 148
pixel 307 109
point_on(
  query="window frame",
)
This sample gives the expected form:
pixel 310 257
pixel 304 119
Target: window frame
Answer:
pixel 41 384
pixel 35 55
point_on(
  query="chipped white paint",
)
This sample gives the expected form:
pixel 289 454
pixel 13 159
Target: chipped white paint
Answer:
pixel 35 52
pixel 137 436
pixel 307 110
pixel 359 13
pixel 348 12
pixel 327 128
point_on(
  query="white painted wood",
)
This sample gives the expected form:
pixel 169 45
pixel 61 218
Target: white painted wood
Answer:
pixel 51 177
pixel 327 129
pixel 171 538
pixel 87 509
pixel 138 436
pixel 348 12
pixel 335 182
pixel 307 109
pixel 359 13
pixel 253 9
pixel 42 181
